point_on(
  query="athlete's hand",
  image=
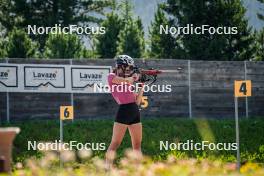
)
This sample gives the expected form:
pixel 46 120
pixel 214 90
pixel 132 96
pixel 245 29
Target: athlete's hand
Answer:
pixel 129 80
pixel 132 79
pixel 141 85
pixel 135 76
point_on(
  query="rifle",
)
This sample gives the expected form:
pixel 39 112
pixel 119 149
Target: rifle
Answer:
pixel 149 76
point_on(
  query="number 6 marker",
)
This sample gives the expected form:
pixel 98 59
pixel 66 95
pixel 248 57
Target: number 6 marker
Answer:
pixel 66 112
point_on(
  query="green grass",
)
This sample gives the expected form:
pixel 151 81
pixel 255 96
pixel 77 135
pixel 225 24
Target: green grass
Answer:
pixel 154 131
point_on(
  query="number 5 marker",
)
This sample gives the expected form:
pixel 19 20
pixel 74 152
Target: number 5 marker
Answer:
pixel 144 102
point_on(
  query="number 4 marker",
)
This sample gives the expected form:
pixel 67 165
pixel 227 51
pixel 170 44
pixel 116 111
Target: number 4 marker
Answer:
pixel 243 88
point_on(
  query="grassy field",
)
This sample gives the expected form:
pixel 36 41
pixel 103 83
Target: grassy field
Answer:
pixel 154 131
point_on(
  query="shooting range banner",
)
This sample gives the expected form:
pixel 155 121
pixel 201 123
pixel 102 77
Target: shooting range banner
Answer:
pixel 52 78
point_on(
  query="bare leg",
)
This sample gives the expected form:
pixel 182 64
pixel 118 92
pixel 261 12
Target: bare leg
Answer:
pixel 119 131
pixel 135 132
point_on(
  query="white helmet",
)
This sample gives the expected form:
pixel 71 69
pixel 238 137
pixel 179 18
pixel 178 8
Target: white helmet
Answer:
pixel 124 60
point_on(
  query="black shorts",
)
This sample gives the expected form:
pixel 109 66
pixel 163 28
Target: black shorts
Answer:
pixel 128 114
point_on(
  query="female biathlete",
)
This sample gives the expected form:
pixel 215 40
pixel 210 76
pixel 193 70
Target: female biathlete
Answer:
pixel 128 115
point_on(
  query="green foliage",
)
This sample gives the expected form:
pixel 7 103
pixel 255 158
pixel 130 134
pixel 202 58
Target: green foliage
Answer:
pixel 261 15
pixel 83 163
pixel 260 45
pixel 155 130
pixel 19 45
pixel 3 44
pixel 88 53
pixel 107 43
pixel 213 13
pixel 8 19
pixel 260 37
pixel 125 8
pixel 43 13
pixel 141 31
pixel 63 46
pixel 124 34
pixel 130 40
pixel 140 26
pixel 162 45
pixel 131 37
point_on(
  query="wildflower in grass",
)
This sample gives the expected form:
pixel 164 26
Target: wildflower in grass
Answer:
pixel 84 154
pixel 171 159
pixel 133 155
pixel 19 165
pixel 99 163
pixel 249 168
pixel 67 156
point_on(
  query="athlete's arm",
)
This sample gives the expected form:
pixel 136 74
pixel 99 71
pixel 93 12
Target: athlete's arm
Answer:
pixel 139 95
pixel 120 80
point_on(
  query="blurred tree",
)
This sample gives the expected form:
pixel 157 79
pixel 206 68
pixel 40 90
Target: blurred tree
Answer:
pixel 3 49
pixel 88 53
pixel 162 45
pixel 8 20
pixel 260 45
pixel 260 36
pixel 261 15
pixel 19 45
pixel 107 43
pixel 130 40
pixel 92 47
pixel 215 14
pixel 131 37
pixel 66 46
pixel 141 30
pixel 47 13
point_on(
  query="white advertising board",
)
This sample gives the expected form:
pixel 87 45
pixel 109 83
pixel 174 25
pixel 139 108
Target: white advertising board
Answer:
pixel 52 78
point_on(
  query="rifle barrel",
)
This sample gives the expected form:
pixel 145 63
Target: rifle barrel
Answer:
pixel 170 71
pixel 156 72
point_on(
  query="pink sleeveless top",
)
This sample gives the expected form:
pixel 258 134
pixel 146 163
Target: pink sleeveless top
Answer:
pixel 120 92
